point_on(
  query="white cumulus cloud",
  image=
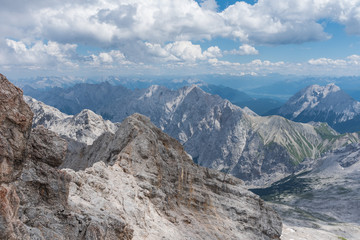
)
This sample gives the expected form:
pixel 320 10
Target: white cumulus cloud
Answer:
pixel 327 61
pixel 110 22
pixel 183 51
pixel 48 33
pixel 39 53
pixel 244 49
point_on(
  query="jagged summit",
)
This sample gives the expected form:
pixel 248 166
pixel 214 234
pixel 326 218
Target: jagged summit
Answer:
pixel 321 91
pixel 323 104
pixel 84 127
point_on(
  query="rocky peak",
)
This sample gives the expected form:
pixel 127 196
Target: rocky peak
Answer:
pixel 312 96
pixel 44 114
pixel 323 104
pixel 84 127
pixel 321 91
pixel 216 133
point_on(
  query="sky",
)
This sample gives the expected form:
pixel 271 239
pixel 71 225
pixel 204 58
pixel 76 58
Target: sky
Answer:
pixel 179 37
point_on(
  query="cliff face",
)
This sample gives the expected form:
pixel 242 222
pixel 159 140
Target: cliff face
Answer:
pixel 15 124
pixel 138 183
pixel 33 192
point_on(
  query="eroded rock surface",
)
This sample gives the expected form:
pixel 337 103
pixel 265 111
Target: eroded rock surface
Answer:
pixel 15 124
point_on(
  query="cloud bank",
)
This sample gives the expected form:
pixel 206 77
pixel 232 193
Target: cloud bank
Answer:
pixel 49 33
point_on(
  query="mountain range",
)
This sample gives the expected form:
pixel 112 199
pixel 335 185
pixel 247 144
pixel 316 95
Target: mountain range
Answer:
pixel 139 184
pixel 216 133
pixel 323 104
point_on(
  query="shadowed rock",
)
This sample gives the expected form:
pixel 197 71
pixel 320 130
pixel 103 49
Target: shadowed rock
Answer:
pixel 15 124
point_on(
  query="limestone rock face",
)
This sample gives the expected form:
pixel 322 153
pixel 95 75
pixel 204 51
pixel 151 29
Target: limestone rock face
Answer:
pixel 45 211
pixel 15 124
pixel 46 146
pixel 33 193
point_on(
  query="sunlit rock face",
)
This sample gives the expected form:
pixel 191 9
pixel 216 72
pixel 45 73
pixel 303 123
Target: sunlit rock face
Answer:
pixel 83 127
pixel 324 104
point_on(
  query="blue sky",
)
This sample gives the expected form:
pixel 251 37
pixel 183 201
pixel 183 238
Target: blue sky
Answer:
pixel 180 37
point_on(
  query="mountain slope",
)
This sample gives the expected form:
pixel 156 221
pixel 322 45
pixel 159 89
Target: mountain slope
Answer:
pixel 324 104
pixel 84 127
pixel 325 195
pixel 214 132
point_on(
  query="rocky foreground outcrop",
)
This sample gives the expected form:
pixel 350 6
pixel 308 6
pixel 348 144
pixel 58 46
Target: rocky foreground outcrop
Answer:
pixel 138 183
pixel 15 124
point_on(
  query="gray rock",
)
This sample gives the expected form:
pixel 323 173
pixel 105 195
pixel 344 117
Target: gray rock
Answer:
pixel 324 104
pixel 47 147
pixel 15 124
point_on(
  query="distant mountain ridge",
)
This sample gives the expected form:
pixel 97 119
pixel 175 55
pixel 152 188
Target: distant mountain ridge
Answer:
pixel 323 104
pixel 214 132
pixel 84 127
pixel 237 97
pixel 241 99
